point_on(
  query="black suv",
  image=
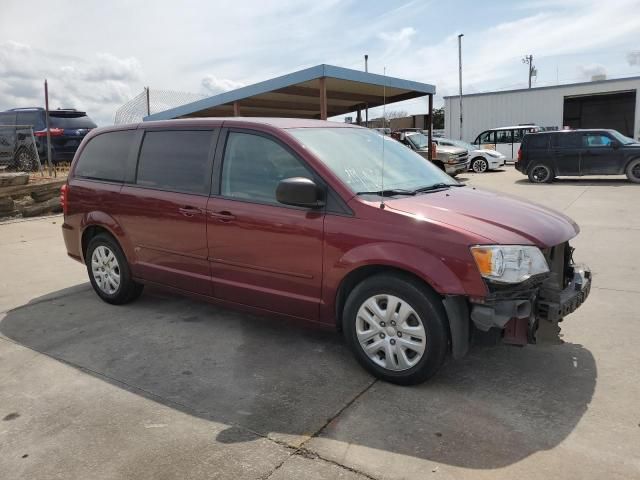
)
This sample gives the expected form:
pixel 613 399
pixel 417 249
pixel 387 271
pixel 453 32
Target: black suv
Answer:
pixel 67 128
pixel 546 155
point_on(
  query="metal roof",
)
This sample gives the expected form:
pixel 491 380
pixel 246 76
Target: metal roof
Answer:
pixel 297 95
pixel 549 87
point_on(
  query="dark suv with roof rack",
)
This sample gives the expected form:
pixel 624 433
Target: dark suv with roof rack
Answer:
pixel 67 128
pixel 546 155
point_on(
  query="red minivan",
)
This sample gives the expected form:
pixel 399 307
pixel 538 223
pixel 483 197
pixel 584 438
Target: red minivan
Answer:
pixel 323 222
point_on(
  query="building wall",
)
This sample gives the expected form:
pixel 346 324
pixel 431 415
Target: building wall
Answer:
pixel 541 106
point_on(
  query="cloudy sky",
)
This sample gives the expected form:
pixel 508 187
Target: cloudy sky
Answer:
pixel 99 54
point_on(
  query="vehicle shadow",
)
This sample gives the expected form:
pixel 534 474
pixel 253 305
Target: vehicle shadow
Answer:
pixel 582 181
pixel 279 379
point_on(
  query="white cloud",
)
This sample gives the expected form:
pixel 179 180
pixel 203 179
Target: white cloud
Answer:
pixel 591 70
pixel 398 41
pixel 633 57
pixel 97 84
pixel 214 85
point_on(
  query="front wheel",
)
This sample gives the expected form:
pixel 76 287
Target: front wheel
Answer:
pixel 109 271
pixel 633 170
pixel 397 328
pixel 479 165
pixel 540 173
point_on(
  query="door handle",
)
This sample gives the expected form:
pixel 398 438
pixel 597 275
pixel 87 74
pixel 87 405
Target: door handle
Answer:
pixel 223 216
pixel 189 211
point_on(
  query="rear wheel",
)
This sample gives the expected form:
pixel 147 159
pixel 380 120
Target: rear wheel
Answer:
pixel 540 173
pixel 633 170
pixel 23 160
pixel 109 271
pixel 396 328
pixel 479 165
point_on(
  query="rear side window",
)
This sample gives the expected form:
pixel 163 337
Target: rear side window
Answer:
pixel 504 136
pixel 70 121
pixel 567 140
pixel 106 156
pixel 519 134
pixel 176 160
pixel 33 118
pixel 537 141
pixel 7 118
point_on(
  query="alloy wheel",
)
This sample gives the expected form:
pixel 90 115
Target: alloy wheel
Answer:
pixel 390 332
pixel 105 269
pixel 479 165
pixel 540 173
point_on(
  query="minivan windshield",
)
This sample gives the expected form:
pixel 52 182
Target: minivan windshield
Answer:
pixel 355 156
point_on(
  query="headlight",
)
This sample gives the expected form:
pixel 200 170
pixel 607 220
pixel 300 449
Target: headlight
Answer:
pixel 509 263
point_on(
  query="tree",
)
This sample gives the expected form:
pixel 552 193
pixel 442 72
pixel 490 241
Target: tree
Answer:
pixel 438 118
pixel 395 114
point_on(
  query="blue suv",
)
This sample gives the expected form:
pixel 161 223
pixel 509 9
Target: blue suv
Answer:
pixel 67 126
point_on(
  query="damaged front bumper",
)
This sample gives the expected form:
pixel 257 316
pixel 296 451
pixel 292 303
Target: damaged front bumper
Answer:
pixel 532 307
pixel 528 312
pixel 521 310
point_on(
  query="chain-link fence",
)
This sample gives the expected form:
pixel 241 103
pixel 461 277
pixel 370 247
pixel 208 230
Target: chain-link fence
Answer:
pixel 18 149
pixel 152 101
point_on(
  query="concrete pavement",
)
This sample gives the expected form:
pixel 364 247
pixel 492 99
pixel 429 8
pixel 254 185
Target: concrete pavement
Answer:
pixel 169 387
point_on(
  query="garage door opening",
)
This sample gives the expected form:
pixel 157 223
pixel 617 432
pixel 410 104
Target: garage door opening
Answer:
pixel 607 110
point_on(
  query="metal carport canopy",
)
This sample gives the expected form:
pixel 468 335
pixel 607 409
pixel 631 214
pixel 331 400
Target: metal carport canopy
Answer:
pixel 317 92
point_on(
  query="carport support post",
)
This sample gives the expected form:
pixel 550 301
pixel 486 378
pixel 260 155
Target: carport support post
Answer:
pixel 323 98
pixel 236 109
pixel 430 131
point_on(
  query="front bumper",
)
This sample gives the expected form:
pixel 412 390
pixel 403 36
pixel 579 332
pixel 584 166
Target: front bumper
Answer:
pixel 456 168
pixel 520 310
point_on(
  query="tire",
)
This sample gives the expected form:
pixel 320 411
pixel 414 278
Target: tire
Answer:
pixel 23 161
pixel 422 309
pixel 633 170
pixel 540 173
pixel 104 253
pixel 479 165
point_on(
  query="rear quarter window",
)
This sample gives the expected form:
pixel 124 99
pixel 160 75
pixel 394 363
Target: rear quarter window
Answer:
pixel 7 118
pixel 106 156
pixel 537 141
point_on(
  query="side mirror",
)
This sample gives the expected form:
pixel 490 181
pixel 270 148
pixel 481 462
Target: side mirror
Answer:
pixel 403 136
pixel 615 145
pixel 300 192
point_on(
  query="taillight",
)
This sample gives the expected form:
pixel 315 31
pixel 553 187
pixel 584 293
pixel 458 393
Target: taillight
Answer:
pixel 55 132
pixel 64 197
pixel 520 154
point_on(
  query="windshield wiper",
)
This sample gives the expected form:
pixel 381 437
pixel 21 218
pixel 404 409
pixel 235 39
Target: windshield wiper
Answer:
pixel 388 192
pixel 437 186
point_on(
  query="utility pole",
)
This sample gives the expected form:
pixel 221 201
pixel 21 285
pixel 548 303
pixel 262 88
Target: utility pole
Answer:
pixel 46 119
pixel 528 59
pixel 460 77
pixel 366 110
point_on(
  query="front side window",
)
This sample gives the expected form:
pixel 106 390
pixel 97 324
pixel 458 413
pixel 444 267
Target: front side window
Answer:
pixel 355 156
pixel 488 137
pixel 176 160
pixel 253 166
pixel 590 140
pixel 105 157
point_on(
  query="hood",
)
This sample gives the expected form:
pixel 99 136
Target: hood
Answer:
pixel 485 150
pixel 499 218
pixel 450 149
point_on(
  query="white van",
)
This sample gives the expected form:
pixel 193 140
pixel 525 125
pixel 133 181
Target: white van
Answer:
pixel 505 140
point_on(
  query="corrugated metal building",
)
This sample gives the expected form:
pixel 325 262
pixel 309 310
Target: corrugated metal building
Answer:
pixel 599 104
